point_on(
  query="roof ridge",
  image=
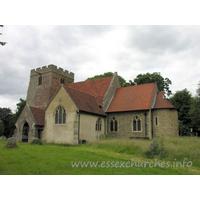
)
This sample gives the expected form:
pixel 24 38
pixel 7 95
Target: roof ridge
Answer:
pixel 137 85
pixel 90 80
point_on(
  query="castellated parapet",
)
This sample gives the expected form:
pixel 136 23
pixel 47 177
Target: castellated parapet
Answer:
pixel 52 68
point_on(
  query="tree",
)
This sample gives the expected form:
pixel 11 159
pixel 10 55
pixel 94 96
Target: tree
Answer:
pixel 195 110
pixel 2 43
pixel 20 107
pixel 163 83
pixel 198 90
pixel 122 81
pixel 182 100
pixel 5 116
pixel 9 119
pixel 1 127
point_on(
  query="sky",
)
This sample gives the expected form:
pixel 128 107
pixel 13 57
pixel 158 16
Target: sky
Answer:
pixel 129 50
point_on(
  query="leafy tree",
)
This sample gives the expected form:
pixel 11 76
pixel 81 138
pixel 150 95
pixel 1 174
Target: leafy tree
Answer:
pixel 195 112
pixel 5 112
pixel 182 100
pixel 20 107
pixel 122 81
pixel 198 90
pixel 1 127
pixel 163 83
pixel 5 116
pixel 2 43
pixel 9 119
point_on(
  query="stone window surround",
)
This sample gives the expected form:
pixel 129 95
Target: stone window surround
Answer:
pixel 156 121
pixel 134 118
pixel 116 120
pixel 98 125
pixel 57 114
pixel 40 80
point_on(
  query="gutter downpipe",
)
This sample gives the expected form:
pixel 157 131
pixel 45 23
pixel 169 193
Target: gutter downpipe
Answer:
pixel 79 118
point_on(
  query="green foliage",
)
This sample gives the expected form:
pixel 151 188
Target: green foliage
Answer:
pixel 198 90
pixel 122 81
pixel 105 137
pixel 42 161
pixel 162 150
pixel 182 100
pixel 1 127
pixel 6 117
pixel 4 112
pixel 195 112
pixel 163 83
pixel 20 107
pixel 2 43
pixel 36 141
pixel 159 150
pixel 9 119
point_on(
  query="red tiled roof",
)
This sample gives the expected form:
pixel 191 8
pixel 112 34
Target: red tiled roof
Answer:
pixel 132 98
pixel 84 102
pixel 38 115
pixel 96 88
pixel 162 102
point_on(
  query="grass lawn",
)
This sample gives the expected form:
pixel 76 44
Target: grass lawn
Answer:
pixel 53 159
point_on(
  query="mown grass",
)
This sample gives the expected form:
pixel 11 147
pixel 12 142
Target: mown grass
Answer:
pixel 56 158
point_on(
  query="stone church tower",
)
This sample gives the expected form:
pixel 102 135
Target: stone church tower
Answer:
pixel 43 84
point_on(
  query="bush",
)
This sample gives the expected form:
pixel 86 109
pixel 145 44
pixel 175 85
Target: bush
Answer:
pixel 156 150
pixel 36 141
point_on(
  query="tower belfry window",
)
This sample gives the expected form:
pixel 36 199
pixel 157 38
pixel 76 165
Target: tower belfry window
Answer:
pixel 62 80
pixel 40 80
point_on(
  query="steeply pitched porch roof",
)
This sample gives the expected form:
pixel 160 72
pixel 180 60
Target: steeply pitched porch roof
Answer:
pixel 38 115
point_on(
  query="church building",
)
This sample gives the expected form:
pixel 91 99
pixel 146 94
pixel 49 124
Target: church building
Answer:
pixel 61 111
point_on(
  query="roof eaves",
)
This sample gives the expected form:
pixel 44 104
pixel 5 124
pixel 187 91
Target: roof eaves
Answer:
pixel 31 113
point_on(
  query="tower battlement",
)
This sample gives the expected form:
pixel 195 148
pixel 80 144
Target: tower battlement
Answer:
pixel 52 68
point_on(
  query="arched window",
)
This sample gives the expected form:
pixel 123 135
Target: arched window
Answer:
pixel 113 124
pixel 40 80
pixel 60 115
pixel 137 124
pixel 62 80
pixel 98 124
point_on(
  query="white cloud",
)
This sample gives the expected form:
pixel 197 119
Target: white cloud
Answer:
pixel 91 50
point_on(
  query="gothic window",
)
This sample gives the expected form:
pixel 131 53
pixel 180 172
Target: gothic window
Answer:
pixel 60 115
pixel 40 80
pixel 98 124
pixel 62 80
pixel 113 124
pixel 137 124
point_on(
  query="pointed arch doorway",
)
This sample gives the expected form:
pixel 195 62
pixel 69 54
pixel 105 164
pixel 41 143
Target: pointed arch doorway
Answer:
pixel 25 132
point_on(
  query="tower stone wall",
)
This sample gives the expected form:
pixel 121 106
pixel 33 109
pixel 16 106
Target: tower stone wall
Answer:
pixel 44 82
